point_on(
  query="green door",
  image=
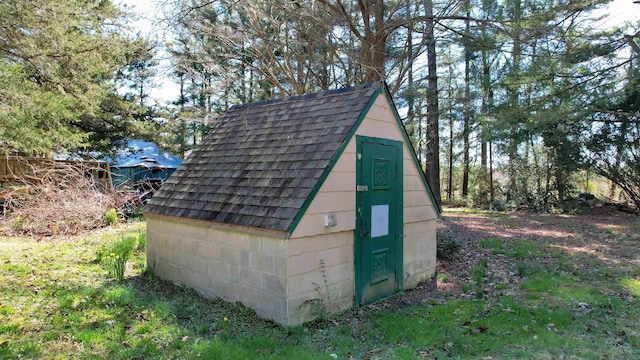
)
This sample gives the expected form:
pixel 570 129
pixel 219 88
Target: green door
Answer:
pixel 378 237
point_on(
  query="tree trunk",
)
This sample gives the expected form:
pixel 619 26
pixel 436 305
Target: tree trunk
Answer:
pixel 491 191
pixel 433 143
pixel 547 186
pixel 484 125
pixel 182 100
pixel 450 95
pixel 411 118
pixel 450 154
pixel 380 41
pixel 467 106
pixel 536 171
pixel 513 89
pixel 560 175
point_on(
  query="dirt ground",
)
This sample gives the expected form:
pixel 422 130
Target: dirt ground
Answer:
pixel 611 235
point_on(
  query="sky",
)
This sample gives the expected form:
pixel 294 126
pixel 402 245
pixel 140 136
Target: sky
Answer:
pixel 621 11
pixel 166 90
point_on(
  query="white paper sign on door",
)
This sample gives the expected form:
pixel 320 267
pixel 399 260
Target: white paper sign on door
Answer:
pixel 379 220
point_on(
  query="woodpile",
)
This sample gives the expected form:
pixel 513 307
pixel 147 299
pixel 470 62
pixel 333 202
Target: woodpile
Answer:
pixel 47 197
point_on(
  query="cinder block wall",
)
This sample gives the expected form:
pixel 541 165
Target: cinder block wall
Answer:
pixel 419 252
pixel 321 276
pixel 232 265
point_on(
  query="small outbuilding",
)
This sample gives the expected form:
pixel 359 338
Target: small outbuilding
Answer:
pixel 142 163
pixel 299 206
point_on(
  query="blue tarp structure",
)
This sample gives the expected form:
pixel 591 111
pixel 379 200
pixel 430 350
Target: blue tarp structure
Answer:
pixel 142 161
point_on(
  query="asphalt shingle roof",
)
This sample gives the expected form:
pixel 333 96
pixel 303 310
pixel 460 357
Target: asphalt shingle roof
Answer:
pixel 261 161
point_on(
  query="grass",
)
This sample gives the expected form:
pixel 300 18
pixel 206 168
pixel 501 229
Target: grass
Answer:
pixel 475 329
pixel 57 301
pixel 521 249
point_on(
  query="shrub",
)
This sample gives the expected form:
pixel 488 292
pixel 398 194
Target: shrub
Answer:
pixel 17 224
pixel 498 205
pixel 111 217
pixel 447 246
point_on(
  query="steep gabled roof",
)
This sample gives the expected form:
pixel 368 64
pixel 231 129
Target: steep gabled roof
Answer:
pixel 262 161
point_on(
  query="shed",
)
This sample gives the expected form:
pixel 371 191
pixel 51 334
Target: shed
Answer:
pixel 142 161
pixel 298 206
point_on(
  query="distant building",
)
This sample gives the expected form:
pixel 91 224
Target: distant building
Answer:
pixel 142 161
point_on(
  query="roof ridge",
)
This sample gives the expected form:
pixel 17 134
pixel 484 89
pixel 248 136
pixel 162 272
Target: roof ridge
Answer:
pixel 323 93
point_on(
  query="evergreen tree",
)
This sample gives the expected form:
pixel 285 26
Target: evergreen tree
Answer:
pixel 58 61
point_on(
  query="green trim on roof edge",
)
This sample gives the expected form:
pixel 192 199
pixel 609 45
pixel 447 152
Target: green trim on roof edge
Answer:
pixel 412 151
pixel 333 162
pixel 382 88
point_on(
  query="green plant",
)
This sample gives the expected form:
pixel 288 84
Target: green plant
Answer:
pixel 317 308
pixel 478 274
pixel 17 224
pixel 497 205
pixel 447 246
pixel 141 241
pixel 325 279
pixel 523 249
pixel 115 257
pixel 467 288
pixel 100 255
pixel 115 265
pixel 631 285
pixel 542 282
pixel 522 269
pixel 111 217
pixel 495 244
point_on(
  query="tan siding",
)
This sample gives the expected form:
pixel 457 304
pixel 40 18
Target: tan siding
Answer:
pixel 313 224
pixel 413 183
pixel 347 162
pixel 311 241
pixel 337 194
pixel 416 198
pixel 342 181
pixel 417 203
pixel 416 228
pixel 418 213
pixel 337 201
